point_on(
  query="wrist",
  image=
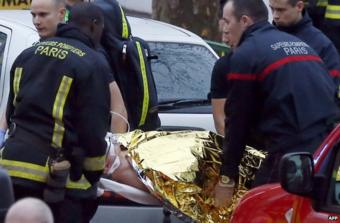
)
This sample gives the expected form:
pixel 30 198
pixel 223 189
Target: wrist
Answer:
pixel 226 181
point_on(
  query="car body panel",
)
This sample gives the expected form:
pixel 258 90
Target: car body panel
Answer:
pixel 268 203
pixel 187 121
pixel 273 204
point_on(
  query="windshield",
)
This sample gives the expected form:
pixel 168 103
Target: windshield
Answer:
pixel 181 71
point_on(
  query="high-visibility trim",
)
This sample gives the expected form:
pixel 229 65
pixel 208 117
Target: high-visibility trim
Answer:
pixel 38 173
pixel 270 68
pixel 332 12
pixel 243 77
pixel 16 83
pixel 81 184
pixel 335 73
pixel 291 59
pixel 94 163
pixel 322 3
pixel 58 111
pixel 146 97
pixel 25 170
pixel 125 29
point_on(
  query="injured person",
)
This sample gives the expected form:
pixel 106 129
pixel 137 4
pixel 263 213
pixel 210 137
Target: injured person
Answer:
pixel 175 169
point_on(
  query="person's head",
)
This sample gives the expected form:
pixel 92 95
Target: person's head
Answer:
pixel 29 210
pixel 221 21
pixel 286 12
pixel 89 19
pixel 46 15
pixel 225 38
pixel 238 15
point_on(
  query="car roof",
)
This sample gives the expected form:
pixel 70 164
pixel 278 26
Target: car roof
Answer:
pixel 19 17
pixel 148 29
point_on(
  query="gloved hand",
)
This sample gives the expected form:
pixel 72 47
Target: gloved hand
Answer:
pixel 2 137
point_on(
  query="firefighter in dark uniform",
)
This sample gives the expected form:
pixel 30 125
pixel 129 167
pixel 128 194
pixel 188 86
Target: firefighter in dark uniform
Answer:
pixel 299 24
pixel 139 93
pixel 279 86
pixel 58 112
pixel 326 16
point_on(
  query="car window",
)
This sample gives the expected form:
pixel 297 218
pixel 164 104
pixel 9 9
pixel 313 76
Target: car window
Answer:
pixel 3 39
pixel 181 70
pixel 333 200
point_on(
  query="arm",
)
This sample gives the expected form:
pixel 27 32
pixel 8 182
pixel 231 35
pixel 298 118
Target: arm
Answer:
pixel 218 114
pixel 3 129
pixel 3 122
pixel 5 117
pixel 118 124
pixel 219 91
pixel 91 122
pixel 239 108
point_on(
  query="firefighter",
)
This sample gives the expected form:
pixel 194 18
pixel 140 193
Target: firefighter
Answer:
pixel 58 113
pixel 278 86
pixel 116 41
pixel 46 18
pixel 289 16
pixel 326 16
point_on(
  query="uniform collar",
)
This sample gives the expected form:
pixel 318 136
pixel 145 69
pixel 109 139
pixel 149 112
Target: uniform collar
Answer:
pixel 253 28
pixel 305 21
pixel 72 32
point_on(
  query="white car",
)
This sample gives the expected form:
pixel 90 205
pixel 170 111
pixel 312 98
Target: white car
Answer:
pixel 182 69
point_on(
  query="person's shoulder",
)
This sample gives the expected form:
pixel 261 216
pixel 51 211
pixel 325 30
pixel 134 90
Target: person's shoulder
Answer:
pixel 320 35
pixel 26 54
pixel 223 61
pixel 244 51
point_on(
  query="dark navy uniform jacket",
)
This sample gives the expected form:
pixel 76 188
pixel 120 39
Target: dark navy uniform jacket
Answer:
pixel 279 85
pixel 59 99
pixel 322 45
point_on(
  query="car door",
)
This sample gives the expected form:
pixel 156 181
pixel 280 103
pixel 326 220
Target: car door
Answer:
pixel 5 36
pixel 325 205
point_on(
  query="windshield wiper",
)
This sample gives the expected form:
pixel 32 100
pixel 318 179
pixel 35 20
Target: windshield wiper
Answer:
pixel 175 103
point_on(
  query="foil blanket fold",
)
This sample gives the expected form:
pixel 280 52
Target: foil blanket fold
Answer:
pixel 181 169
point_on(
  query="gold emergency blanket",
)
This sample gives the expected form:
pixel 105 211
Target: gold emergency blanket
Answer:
pixel 181 169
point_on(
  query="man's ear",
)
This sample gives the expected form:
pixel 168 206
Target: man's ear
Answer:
pixel 62 12
pixel 246 21
pixel 300 5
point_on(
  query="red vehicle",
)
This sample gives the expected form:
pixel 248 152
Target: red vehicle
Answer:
pixel 309 190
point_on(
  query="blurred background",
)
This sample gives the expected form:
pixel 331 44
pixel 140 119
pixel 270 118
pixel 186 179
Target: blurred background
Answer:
pixel 198 16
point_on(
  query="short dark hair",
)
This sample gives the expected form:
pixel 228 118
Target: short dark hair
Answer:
pixel 84 12
pixel 255 9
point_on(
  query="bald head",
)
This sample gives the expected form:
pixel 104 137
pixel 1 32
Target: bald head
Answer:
pixel 46 15
pixel 29 210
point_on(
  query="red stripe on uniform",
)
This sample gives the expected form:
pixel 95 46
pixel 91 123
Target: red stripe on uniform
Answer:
pixel 335 73
pixel 243 77
pixel 270 68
